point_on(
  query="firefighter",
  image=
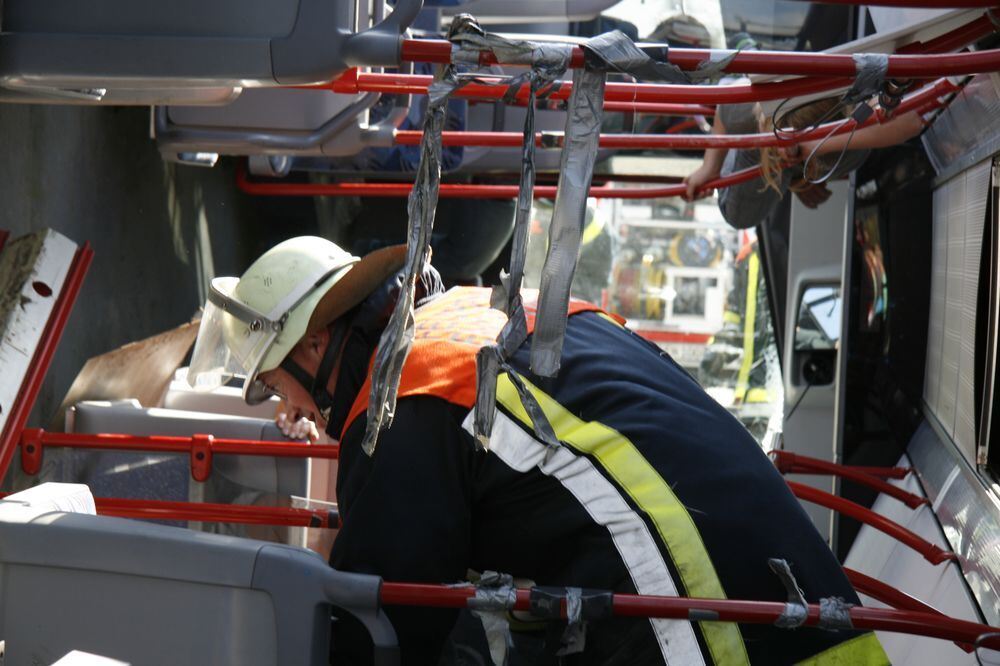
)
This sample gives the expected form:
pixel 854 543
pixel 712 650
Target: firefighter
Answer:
pixel 653 487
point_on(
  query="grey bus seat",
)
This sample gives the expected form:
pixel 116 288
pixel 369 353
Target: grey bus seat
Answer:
pixel 112 50
pixel 138 475
pixel 150 594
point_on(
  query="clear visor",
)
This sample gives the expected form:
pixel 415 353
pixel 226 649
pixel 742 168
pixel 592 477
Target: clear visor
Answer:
pixel 226 346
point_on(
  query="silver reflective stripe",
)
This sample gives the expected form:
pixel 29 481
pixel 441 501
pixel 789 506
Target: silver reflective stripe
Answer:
pixel 583 129
pixel 604 503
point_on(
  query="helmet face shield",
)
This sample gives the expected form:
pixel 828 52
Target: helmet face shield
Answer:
pixel 251 323
pixel 227 346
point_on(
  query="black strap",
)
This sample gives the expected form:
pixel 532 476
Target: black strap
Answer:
pixel 317 386
pixel 320 393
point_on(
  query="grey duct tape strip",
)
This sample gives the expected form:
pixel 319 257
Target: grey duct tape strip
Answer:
pixel 467 48
pixel 397 338
pixel 871 70
pixel 835 614
pixel 493 599
pixel 495 595
pixel 487 368
pixel 506 297
pixel 574 636
pixel 714 68
pixel 614 51
pixel 583 128
pixel 796 610
pixel 498 636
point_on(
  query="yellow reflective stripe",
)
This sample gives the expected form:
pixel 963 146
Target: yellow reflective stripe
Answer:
pixel 731 317
pixel 863 650
pixel 749 322
pixel 605 315
pixel 633 473
pixel 593 229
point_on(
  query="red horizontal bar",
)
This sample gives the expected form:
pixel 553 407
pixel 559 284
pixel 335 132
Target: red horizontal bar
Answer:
pixel 931 553
pixel 922 100
pixel 354 82
pixel 784 63
pixel 918 4
pixel 723 610
pixel 461 191
pixel 170 444
pixel 788 462
pixel 216 513
pixel 47 344
pixel 201 448
pixel 660 109
pixel 804 462
pixel 890 596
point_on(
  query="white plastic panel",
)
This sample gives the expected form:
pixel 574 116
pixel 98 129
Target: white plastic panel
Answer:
pixel 954 220
pixel 939 271
pixel 949 388
pixel 941 586
pixel 977 187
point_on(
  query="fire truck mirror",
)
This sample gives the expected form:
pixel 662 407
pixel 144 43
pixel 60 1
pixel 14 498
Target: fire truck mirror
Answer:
pixel 818 326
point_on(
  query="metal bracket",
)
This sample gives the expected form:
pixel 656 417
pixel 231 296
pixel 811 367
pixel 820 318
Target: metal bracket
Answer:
pixel 201 457
pixel 31 450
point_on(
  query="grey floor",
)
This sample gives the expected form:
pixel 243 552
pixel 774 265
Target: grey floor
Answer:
pixel 159 231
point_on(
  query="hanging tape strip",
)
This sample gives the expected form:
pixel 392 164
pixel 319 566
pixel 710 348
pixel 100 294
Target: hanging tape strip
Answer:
pixel 796 609
pixel 397 338
pixel 552 61
pixel 495 596
pixel 583 128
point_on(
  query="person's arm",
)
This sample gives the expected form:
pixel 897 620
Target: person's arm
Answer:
pixel 896 131
pixel 710 167
pixel 406 516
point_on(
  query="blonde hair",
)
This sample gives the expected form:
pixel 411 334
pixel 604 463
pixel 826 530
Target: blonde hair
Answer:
pixel 799 118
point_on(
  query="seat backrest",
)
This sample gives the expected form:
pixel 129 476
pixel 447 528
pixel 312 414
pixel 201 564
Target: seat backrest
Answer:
pixel 149 594
pixel 84 49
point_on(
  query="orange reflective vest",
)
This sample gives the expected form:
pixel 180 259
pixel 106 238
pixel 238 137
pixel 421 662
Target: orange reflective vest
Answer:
pixel 448 332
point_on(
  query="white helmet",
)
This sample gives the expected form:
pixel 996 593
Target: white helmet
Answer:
pixel 251 323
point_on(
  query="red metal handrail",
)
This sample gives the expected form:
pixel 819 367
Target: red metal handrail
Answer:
pixel 216 513
pixel 660 109
pixel 787 462
pixel 719 610
pixel 924 100
pixel 887 594
pixel 42 358
pixel 354 82
pixel 917 4
pixel 782 63
pixel 890 596
pixel 201 448
pixel 931 553
pixel 462 191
